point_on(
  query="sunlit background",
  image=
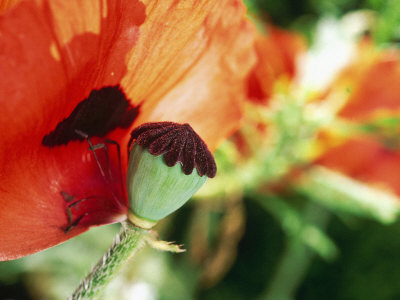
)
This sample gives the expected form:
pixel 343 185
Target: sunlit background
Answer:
pixel 306 200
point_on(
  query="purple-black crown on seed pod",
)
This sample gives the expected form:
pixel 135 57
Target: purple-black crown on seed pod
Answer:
pixel 177 143
pixel 157 184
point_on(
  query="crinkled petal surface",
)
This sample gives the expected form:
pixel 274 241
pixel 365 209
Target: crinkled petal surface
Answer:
pixel 65 64
pixel 194 75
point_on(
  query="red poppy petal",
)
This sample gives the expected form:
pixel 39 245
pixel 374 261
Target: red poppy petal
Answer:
pixel 7 4
pixel 51 58
pixel 196 75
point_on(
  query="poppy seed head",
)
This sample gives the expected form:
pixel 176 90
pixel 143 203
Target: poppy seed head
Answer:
pixel 177 143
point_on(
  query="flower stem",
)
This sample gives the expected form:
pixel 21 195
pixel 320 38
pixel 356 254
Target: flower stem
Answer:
pixel 296 259
pixel 127 243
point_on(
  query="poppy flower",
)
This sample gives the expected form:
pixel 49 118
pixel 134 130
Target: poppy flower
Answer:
pixel 370 154
pixel 76 69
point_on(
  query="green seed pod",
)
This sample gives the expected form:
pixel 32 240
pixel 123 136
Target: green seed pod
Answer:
pixel 168 163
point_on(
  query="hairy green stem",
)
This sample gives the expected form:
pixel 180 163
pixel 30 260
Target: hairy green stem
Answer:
pixel 126 244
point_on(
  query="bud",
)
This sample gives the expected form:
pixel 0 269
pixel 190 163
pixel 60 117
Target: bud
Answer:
pixel 168 163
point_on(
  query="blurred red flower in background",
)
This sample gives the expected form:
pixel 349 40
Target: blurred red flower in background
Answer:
pixel 277 51
pixel 371 153
pixel 104 67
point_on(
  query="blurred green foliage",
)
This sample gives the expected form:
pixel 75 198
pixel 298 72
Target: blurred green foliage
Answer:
pixel 365 268
pixel 303 15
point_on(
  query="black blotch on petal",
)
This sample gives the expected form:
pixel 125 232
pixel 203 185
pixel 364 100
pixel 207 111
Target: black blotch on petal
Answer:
pixel 103 111
pixel 177 143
